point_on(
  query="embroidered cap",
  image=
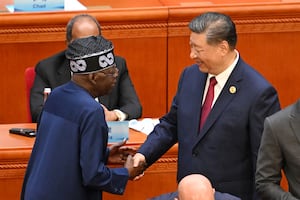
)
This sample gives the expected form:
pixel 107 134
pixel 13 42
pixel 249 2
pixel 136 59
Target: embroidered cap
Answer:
pixel 90 54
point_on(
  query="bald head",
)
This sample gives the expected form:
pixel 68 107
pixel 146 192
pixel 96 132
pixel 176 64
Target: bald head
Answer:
pixel 82 25
pixel 195 187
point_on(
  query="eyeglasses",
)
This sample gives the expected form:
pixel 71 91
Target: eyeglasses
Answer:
pixel 112 71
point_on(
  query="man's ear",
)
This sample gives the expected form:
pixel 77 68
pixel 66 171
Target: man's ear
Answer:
pixel 92 78
pixel 224 47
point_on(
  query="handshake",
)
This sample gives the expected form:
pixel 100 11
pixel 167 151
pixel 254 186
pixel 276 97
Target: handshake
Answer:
pixel 135 166
pixel 134 162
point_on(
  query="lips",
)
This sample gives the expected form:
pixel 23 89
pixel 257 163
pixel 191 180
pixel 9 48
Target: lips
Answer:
pixel 198 62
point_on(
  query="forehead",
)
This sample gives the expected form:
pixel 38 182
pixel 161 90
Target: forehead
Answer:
pixel 110 69
pixel 198 39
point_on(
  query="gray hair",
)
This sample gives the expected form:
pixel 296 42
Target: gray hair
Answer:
pixel 218 27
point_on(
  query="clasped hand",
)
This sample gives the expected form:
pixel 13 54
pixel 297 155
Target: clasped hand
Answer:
pixel 120 154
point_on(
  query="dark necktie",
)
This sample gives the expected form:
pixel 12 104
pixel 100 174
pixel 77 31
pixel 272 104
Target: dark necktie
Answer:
pixel 208 101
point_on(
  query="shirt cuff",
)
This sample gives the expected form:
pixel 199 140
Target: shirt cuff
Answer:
pixel 121 115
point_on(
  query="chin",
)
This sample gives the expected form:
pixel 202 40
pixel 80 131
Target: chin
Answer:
pixel 108 91
pixel 203 69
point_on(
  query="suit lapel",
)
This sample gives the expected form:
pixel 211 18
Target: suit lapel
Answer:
pixel 295 119
pixel 230 90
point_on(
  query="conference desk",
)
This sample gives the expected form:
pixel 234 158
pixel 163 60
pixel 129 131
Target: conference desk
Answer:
pixel 15 151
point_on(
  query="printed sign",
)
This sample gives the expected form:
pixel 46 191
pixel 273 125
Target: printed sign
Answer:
pixel 38 5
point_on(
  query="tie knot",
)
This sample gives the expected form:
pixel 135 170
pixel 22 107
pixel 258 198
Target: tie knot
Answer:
pixel 213 81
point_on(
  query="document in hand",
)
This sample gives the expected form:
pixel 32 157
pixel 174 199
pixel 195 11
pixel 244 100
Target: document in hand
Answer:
pixel 117 131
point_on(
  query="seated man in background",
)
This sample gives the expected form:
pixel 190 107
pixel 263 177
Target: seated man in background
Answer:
pixel 196 187
pixel 280 150
pixel 122 103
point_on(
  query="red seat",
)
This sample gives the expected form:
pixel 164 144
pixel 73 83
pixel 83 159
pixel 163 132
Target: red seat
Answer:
pixel 29 78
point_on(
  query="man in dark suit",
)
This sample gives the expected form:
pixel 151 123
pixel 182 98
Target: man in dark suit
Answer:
pixel 224 148
pixel 280 150
pixel 120 104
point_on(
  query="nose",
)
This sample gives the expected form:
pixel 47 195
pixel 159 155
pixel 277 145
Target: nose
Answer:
pixel 116 74
pixel 192 55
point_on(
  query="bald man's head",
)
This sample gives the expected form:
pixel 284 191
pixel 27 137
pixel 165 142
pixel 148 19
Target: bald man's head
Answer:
pixel 195 187
pixel 82 25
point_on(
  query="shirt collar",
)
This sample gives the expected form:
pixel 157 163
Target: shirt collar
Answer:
pixel 223 76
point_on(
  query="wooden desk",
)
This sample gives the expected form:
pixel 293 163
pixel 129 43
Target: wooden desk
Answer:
pixel 15 151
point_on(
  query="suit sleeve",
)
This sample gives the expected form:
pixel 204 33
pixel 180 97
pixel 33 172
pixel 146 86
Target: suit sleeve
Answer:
pixel 36 94
pixel 93 158
pixel 164 135
pixel 129 102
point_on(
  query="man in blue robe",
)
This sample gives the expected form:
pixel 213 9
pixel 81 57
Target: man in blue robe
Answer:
pixel 70 154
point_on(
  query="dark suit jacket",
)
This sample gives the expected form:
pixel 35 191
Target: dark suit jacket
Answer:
pixel 225 149
pixel 280 150
pixel 55 71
